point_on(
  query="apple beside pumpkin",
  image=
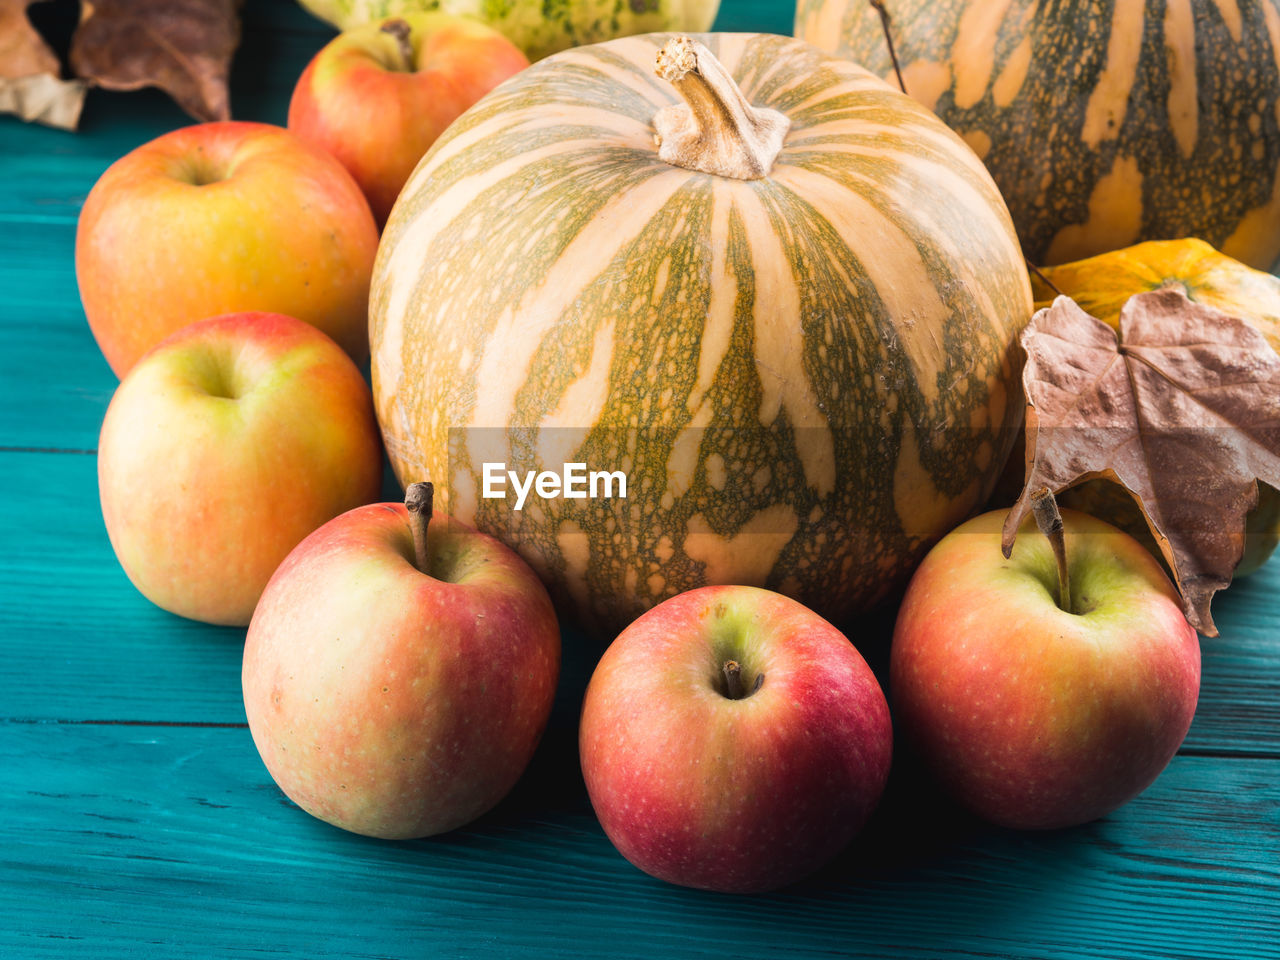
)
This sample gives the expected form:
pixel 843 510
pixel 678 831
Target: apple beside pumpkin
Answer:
pixel 377 96
pixel 225 446
pixel 399 671
pixel 1034 706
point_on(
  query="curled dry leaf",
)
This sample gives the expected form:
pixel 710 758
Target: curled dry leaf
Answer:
pixel 30 83
pixel 182 46
pixel 1183 410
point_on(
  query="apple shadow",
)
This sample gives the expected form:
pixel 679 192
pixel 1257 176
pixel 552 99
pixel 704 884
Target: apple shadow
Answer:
pixel 553 782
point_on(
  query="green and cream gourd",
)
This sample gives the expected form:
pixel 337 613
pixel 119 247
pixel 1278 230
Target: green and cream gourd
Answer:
pixel 1104 122
pixel 538 27
pixel 805 364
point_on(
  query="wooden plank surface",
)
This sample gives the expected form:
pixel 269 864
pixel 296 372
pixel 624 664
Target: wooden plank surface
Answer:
pixel 177 838
pixel 140 822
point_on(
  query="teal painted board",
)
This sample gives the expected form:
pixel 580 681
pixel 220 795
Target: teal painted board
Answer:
pixel 57 384
pixel 173 843
pixel 1239 707
pixel 756 16
pixel 78 641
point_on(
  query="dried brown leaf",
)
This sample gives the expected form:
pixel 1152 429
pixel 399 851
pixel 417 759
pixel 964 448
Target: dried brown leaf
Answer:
pixel 182 46
pixel 30 85
pixel 22 49
pixel 1183 410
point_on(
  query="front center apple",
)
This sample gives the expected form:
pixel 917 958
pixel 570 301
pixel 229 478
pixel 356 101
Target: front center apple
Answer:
pixel 732 739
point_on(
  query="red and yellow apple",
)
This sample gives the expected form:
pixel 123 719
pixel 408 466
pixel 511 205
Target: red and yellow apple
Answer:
pixel 379 95
pixel 731 739
pixel 1034 715
pixel 223 218
pixel 223 448
pixel 397 681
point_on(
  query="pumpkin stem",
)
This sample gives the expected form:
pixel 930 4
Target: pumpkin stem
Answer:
pixel 1049 520
pixel 417 500
pixel 400 30
pixel 715 130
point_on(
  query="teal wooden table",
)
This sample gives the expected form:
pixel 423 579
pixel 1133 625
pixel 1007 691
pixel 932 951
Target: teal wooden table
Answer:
pixel 138 821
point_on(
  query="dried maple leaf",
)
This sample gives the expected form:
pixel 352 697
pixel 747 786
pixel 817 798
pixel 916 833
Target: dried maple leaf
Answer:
pixel 1183 410
pixel 182 46
pixel 30 83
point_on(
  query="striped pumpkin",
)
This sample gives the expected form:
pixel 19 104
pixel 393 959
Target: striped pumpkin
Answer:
pixel 1102 284
pixel 1105 122
pixel 807 376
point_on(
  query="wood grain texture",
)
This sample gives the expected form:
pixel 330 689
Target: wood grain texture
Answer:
pixel 56 383
pixel 174 843
pixel 79 641
pixel 1239 708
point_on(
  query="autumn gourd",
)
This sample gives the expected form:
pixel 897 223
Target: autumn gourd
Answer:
pixel 1102 284
pixel 777 294
pixel 1103 123
pixel 538 27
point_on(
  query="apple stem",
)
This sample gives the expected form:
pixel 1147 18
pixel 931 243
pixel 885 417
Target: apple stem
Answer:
pixel 733 679
pixel 418 498
pixel 1049 520
pixel 400 30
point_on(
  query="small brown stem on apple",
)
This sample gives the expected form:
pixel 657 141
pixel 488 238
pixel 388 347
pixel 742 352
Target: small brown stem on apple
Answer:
pixel 418 498
pixel 400 30
pixel 1049 520
pixel 732 680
